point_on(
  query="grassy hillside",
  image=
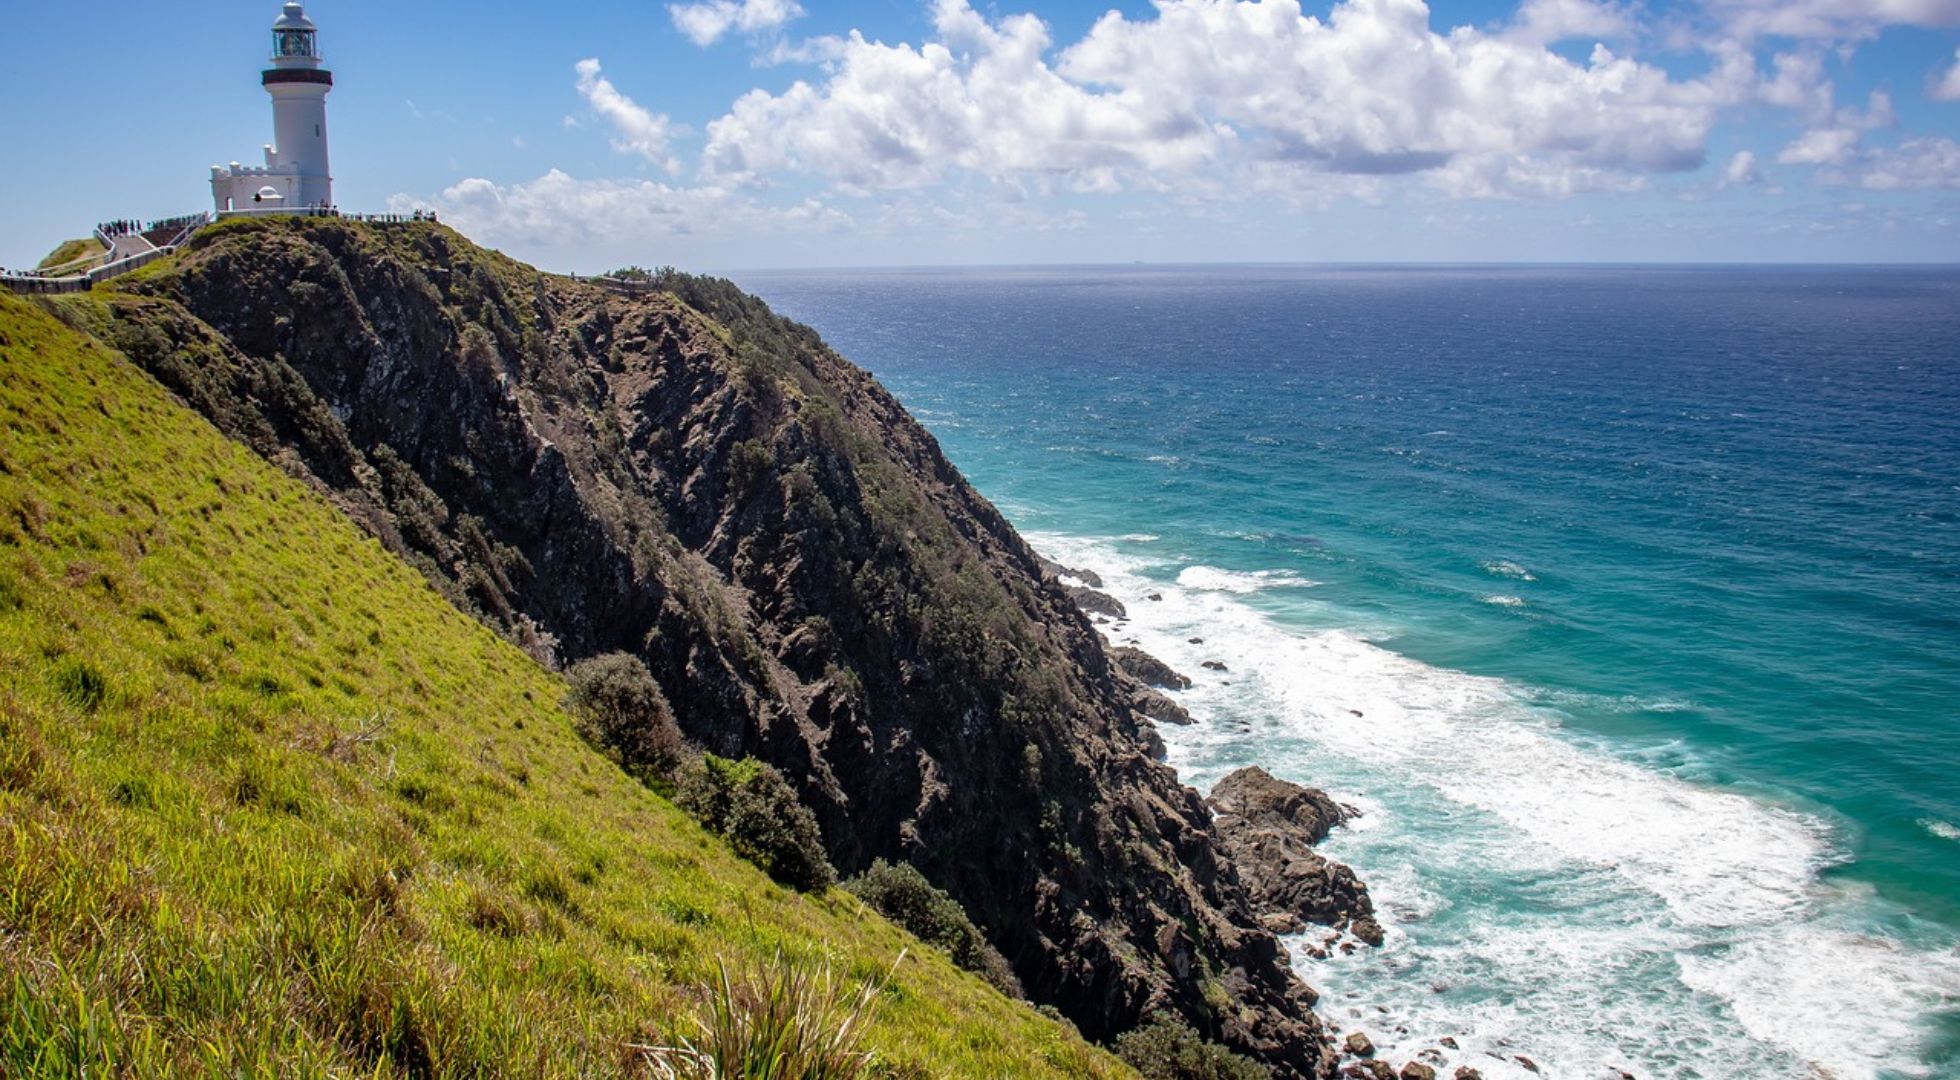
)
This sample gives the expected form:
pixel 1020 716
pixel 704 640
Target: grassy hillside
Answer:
pixel 69 251
pixel 268 804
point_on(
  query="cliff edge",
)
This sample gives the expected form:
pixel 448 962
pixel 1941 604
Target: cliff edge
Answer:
pixel 684 475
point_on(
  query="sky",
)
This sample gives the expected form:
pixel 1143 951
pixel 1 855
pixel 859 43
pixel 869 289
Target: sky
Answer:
pixel 719 135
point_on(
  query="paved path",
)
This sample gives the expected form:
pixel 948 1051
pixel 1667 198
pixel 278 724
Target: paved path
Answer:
pixel 128 246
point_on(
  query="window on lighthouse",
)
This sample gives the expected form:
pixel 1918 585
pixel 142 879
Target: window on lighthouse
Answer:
pixel 293 43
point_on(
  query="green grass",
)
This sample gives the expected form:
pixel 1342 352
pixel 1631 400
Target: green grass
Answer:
pixel 70 251
pixel 269 805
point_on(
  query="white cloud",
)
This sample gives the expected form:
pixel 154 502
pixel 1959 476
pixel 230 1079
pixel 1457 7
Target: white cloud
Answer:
pixel 558 210
pixel 1543 22
pixel 1221 86
pixel 1741 170
pixel 1800 84
pixel 1831 19
pixel 636 131
pixel 705 23
pixel 1947 87
pixel 1914 164
pixel 982 98
pixel 1822 146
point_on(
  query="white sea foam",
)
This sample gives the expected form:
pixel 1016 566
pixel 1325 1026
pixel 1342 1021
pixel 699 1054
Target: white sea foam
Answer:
pixel 1212 579
pixel 1543 893
pixel 1496 600
pixel 1945 830
pixel 1505 568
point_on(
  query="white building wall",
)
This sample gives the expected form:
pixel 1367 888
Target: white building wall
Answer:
pixel 299 124
pixel 297 174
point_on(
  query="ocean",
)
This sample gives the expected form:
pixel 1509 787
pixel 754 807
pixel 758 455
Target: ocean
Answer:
pixel 1624 603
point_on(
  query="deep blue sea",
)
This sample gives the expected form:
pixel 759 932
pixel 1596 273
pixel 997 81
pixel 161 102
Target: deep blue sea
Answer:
pixel 1623 602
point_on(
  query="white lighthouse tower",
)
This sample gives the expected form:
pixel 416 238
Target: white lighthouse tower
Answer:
pixel 296 177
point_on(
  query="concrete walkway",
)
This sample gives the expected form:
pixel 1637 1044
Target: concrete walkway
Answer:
pixel 128 246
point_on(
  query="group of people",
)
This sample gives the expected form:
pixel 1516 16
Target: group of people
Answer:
pixel 119 228
pixel 393 219
pixel 178 224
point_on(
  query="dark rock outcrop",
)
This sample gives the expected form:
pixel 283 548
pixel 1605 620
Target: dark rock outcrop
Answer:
pixel 1265 801
pixel 1147 669
pixel 683 475
pixel 1097 603
pixel 1269 828
pixel 1158 706
pixel 1086 577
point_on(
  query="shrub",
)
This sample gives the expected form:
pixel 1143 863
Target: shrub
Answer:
pixel 900 893
pixel 1167 1048
pixel 621 710
pixel 749 462
pixel 752 805
pixel 779 1021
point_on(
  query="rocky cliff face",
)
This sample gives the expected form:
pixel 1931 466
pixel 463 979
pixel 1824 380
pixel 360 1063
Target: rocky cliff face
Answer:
pixel 686 476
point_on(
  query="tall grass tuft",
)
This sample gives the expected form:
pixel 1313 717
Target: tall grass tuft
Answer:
pixel 777 1021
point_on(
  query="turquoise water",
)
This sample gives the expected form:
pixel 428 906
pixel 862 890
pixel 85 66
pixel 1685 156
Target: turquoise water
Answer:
pixel 1625 603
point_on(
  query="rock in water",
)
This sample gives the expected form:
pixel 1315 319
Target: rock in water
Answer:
pixel 1360 1045
pixel 1158 706
pixel 1269 828
pixel 1266 801
pixel 1465 1072
pixel 1147 669
pixel 1416 1070
pixel 1086 577
pixel 1096 603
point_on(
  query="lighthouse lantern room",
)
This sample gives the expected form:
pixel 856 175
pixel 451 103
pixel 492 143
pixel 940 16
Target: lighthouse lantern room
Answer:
pixel 295 177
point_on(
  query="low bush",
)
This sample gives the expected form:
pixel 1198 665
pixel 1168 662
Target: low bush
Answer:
pixel 900 893
pixel 751 804
pixel 1167 1048
pixel 779 1021
pixel 621 710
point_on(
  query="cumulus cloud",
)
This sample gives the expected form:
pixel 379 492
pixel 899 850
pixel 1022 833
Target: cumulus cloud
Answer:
pixel 1209 85
pixel 1821 146
pixel 635 130
pixel 1543 22
pixel 705 23
pixel 558 210
pixel 1842 158
pixel 1915 164
pixel 1799 84
pixel 1741 170
pixel 982 98
pixel 1947 86
pixel 1829 18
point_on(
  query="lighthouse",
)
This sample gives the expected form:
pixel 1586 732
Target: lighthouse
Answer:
pixel 296 177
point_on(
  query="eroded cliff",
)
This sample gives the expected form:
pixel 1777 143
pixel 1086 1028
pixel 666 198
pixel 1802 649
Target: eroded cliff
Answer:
pixel 684 475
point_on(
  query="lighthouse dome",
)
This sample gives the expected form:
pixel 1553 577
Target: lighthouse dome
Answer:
pixel 293 17
pixel 295 40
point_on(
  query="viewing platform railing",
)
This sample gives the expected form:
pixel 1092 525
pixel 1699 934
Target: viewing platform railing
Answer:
pixel 625 286
pixel 178 231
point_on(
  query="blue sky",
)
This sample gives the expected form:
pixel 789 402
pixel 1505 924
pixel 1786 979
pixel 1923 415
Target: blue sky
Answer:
pixel 726 134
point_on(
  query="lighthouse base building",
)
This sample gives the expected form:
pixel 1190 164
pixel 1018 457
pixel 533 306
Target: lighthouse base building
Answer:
pixel 296 177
